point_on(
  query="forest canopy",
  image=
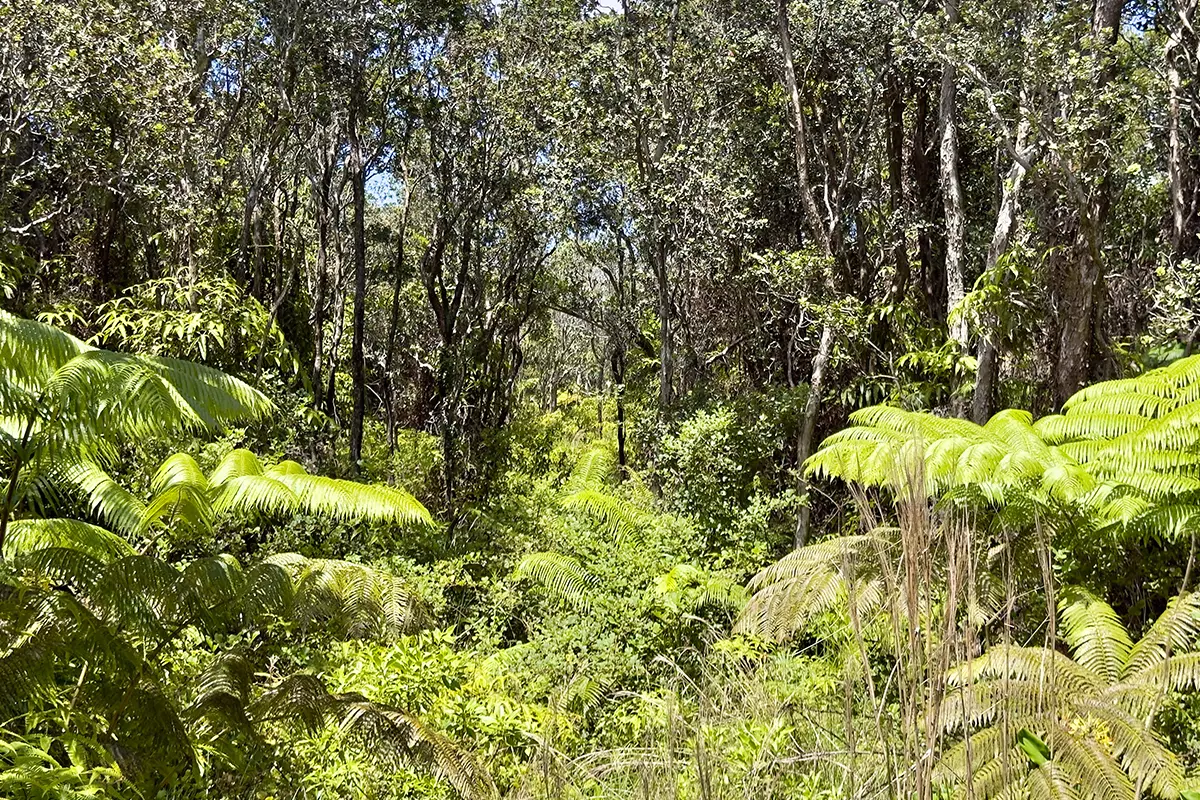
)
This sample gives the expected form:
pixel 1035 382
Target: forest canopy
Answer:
pixel 626 399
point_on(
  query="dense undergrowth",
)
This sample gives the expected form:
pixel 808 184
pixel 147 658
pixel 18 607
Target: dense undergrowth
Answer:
pixel 182 617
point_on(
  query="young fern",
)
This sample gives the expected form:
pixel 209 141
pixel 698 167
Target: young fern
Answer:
pixel 587 491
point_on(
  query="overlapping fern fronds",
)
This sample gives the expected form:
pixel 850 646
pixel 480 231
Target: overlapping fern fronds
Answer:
pixel 588 491
pixel 241 484
pixel 69 388
pixel 391 736
pixel 1092 714
pixel 688 589
pixel 820 577
pixel 1126 452
pixel 351 600
pixel 184 498
pixel 108 614
pixel 62 401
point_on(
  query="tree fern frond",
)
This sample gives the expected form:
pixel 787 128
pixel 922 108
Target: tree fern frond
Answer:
pixel 1174 632
pixel 134 594
pixel 108 500
pixel 562 576
pixel 257 494
pixel 1095 633
pixel 236 463
pixel 351 599
pixel 594 469
pixel 222 690
pixel 616 516
pixel 391 735
pixel 267 593
pixel 65 566
pixel 28 535
pixel 386 733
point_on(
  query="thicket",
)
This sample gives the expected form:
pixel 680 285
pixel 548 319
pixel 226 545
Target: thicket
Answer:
pixel 570 399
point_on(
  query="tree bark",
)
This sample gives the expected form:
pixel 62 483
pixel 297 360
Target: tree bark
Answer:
pixel 812 407
pixel 898 207
pixel 666 332
pixel 952 192
pixel 317 314
pixel 357 357
pixel 1182 57
pixel 808 199
pixel 1006 216
pixel 812 404
pixel 1082 285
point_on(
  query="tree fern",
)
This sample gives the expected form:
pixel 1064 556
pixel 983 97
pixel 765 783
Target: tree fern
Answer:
pixel 562 576
pixel 588 491
pixel 110 618
pixel 1092 713
pixel 61 398
pixel 1125 453
pixel 687 589
pixel 241 483
pixel 392 737
pixel 351 600
pixel 814 579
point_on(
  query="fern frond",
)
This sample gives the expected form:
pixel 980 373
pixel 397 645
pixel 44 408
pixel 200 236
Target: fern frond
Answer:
pixel 1174 631
pixel 28 535
pixel 616 516
pixel 1095 633
pixel 813 579
pixel 241 483
pixel 387 734
pixel 352 600
pixel 236 463
pixel 561 575
pixel 594 469
pixel 108 500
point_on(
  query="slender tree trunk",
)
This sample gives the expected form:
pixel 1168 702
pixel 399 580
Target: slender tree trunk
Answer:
pixel 335 350
pixel 666 345
pixel 618 376
pixel 1182 56
pixel 357 357
pixel 808 199
pixel 316 316
pixel 952 192
pixel 1175 158
pixel 1082 288
pixel 812 407
pixel 923 197
pixel 1006 216
pixel 898 207
pixel 812 404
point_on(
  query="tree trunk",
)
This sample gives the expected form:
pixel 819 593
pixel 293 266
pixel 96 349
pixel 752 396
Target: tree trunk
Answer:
pixel 1010 198
pixel 357 357
pixel 898 207
pixel 812 407
pixel 1182 56
pixel 666 345
pixel 1082 284
pixel 321 187
pixel 952 192
pixel 808 199
pixel 812 404
pixel 618 377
